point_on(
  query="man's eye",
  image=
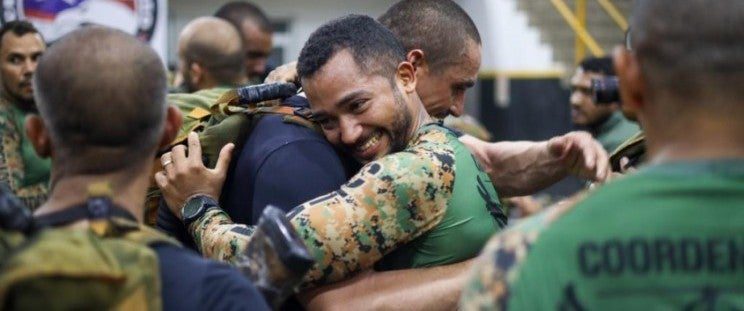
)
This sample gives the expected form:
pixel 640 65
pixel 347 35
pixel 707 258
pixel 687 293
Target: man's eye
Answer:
pixel 15 60
pixel 325 123
pixel 357 106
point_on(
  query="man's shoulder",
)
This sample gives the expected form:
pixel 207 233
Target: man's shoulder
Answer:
pixel 272 132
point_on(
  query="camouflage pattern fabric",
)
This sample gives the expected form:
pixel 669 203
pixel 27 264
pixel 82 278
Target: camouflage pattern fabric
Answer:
pixel 390 202
pixel 12 167
pixel 487 287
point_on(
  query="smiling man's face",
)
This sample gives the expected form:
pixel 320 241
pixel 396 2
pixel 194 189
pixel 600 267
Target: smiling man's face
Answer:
pixel 364 114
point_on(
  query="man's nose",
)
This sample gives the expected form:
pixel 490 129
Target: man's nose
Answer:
pixel 29 66
pixel 350 130
pixel 458 106
pixel 576 99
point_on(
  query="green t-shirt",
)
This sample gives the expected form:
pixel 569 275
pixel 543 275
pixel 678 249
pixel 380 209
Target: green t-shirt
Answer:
pixel 36 169
pixel 614 131
pixel 670 237
pixel 472 216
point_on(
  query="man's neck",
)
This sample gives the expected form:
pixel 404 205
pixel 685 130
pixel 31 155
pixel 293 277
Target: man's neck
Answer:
pixel 23 105
pixel 605 124
pixel 128 191
pixel 420 119
pixel 702 139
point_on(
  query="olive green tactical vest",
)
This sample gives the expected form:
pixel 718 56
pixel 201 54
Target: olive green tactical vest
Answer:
pixel 79 269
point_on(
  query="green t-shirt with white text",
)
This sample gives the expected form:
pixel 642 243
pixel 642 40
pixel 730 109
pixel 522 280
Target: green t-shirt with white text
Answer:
pixel 670 237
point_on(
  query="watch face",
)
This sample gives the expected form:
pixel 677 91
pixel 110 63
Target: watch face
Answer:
pixel 192 208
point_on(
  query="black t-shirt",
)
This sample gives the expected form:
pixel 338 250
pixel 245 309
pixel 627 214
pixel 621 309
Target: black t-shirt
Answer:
pixel 190 282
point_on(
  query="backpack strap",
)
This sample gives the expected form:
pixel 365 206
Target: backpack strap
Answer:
pixel 297 115
pixel 106 219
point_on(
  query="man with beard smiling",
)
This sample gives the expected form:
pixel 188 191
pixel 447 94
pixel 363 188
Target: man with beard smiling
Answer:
pixel 21 168
pixel 420 186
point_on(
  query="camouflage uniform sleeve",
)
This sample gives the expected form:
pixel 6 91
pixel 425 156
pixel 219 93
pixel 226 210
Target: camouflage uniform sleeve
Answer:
pixel 218 238
pixel 11 164
pixel 487 287
pixel 390 202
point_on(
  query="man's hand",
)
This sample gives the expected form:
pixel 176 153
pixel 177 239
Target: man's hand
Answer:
pixel 284 73
pixel 185 176
pixel 581 155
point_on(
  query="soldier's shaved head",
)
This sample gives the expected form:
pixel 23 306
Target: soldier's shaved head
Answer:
pixel 216 46
pixel 691 50
pixel 441 28
pixel 101 94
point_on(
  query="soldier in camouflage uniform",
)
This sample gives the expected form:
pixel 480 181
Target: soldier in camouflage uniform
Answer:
pixel 669 236
pixel 421 199
pixel 21 168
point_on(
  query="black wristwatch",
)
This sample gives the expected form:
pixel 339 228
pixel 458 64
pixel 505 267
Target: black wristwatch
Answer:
pixel 195 208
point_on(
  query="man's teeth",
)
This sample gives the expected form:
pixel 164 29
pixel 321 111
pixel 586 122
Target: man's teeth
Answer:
pixel 371 142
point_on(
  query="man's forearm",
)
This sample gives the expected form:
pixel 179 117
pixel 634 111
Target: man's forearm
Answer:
pixel 218 238
pixel 436 288
pixel 517 168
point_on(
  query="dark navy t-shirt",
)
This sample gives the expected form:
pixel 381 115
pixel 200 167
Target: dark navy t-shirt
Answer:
pixel 190 282
pixel 282 164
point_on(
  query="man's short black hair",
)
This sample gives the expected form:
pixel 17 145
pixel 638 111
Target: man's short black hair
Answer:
pixel 600 65
pixel 374 48
pixel 441 28
pixel 19 28
pixel 691 49
pixel 101 93
pixel 237 12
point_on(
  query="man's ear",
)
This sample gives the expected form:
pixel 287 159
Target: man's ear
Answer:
pixel 416 57
pixel 196 73
pixel 406 74
pixel 632 85
pixel 173 121
pixel 38 135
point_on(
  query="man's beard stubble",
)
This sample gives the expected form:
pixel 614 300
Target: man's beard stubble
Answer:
pixel 401 125
pixel 25 104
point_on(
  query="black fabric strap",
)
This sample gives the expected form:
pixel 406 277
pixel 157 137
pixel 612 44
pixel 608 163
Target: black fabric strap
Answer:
pixel 93 209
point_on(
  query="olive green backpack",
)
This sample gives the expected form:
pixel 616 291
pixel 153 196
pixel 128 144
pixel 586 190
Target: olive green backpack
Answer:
pixel 220 116
pixel 107 265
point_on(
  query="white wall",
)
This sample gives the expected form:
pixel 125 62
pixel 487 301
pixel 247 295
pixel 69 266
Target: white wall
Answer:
pixel 303 16
pixel 509 43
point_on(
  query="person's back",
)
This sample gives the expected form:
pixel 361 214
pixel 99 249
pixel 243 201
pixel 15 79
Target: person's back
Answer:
pixel 274 165
pixel 190 282
pixel 668 236
pixel 86 126
pixel 283 164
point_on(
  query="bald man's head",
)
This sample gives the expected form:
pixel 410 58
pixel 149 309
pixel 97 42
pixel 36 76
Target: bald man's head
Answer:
pixel 211 53
pixel 101 94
